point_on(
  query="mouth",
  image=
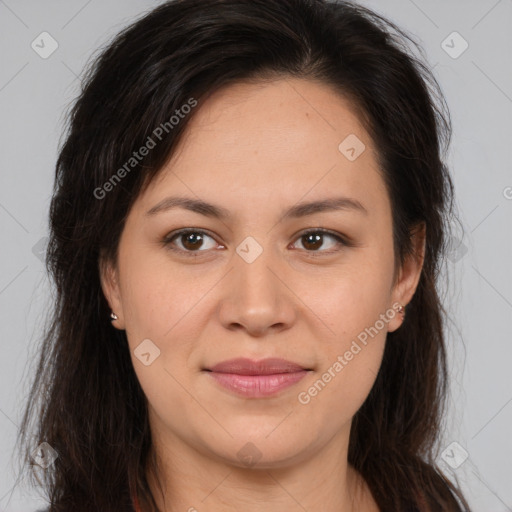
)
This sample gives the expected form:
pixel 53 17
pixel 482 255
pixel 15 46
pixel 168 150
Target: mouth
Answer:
pixel 256 379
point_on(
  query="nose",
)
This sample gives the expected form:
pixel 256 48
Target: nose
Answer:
pixel 257 298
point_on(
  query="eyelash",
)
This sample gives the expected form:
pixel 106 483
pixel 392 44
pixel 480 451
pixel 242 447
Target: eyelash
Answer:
pixel 167 241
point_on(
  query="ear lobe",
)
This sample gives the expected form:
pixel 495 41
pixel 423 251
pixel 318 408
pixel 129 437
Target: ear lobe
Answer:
pixel 110 286
pixel 410 272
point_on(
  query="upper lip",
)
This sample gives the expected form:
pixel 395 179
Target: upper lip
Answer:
pixel 244 366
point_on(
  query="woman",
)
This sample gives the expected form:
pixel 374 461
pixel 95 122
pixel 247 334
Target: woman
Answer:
pixel 246 231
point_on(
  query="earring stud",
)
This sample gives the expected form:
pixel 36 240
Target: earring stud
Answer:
pixel 113 316
pixel 401 310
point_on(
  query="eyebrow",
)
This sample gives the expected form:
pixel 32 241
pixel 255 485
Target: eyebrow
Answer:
pixel 297 211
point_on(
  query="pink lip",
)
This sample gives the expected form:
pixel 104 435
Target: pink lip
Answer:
pixel 257 378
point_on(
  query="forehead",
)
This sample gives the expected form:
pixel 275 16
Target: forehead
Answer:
pixel 275 140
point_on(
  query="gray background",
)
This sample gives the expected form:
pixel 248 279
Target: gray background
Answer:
pixel 34 93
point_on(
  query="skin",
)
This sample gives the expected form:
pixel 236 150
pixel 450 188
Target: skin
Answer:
pixel 256 150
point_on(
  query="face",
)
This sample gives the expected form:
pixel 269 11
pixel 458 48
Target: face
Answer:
pixel 260 275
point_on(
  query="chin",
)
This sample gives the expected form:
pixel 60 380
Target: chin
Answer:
pixel 256 449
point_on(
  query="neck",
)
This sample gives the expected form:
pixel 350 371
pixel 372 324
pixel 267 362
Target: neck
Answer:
pixel 186 480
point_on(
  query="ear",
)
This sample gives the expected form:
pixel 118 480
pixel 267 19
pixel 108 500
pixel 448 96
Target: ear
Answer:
pixel 109 278
pixel 409 274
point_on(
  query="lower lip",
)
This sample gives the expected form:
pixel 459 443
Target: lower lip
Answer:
pixel 256 386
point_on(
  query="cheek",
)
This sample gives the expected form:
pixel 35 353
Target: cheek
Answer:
pixel 158 296
pixel 355 306
pixel 341 386
pixel 350 298
pixel 165 306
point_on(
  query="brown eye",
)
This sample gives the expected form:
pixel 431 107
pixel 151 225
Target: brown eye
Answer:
pixel 314 240
pixel 189 241
pixel 193 242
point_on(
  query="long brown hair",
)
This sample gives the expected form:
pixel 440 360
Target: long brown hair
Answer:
pixel 86 402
